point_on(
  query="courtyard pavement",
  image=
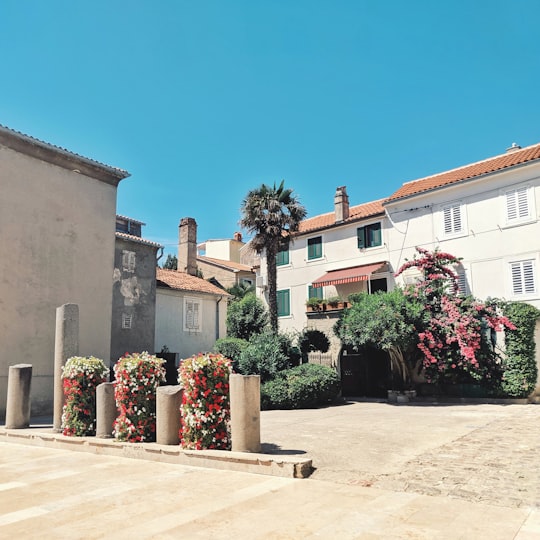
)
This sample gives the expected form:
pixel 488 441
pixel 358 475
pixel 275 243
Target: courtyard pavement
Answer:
pixel 381 471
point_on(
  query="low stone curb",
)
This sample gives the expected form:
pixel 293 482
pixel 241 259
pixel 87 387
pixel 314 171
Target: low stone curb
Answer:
pixel 287 467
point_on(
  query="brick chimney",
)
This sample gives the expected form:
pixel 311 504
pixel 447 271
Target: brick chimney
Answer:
pixel 187 246
pixel 341 204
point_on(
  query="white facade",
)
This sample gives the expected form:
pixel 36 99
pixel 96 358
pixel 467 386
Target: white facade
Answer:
pixel 189 322
pixel 490 222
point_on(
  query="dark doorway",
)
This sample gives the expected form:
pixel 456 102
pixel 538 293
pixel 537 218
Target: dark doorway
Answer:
pixel 376 285
pixel 365 373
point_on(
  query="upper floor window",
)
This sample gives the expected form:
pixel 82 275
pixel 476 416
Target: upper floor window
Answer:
pixel 284 303
pixel 127 321
pixel 519 206
pixel 453 219
pixel 369 236
pixel 192 315
pixel 282 256
pixel 314 248
pixel 128 261
pixel 523 277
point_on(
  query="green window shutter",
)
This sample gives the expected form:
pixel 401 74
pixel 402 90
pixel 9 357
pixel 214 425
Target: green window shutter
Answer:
pixel 283 303
pixel 361 234
pixel 282 257
pixel 315 248
pixel 315 292
pixel 374 235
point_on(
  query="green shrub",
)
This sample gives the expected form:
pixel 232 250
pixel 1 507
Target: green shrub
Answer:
pixel 310 340
pixel 231 348
pixel 246 317
pixel 520 370
pixel 305 386
pixel 264 356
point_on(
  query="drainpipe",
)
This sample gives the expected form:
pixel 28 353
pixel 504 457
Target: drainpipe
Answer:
pixel 217 316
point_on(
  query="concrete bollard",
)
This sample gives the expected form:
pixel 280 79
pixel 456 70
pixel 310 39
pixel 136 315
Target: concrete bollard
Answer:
pixel 245 394
pixel 168 401
pixel 18 396
pixel 66 345
pixel 106 412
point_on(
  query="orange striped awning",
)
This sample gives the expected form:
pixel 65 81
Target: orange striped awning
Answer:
pixel 348 275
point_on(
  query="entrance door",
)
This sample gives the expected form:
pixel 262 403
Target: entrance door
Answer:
pixel 365 373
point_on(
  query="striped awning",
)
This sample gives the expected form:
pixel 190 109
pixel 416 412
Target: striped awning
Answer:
pixel 348 275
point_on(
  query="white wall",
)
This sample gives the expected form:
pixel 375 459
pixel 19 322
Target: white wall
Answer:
pixel 56 247
pixel 170 322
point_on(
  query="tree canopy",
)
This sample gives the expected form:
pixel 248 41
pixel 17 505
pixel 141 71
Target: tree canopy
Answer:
pixel 271 213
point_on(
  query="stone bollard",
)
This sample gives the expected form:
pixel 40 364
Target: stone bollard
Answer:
pixel 106 412
pixel 168 401
pixel 18 396
pixel 66 345
pixel 245 394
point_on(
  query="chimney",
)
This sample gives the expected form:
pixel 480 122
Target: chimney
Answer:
pixel 237 236
pixel 341 204
pixel 513 148
pixel 187 246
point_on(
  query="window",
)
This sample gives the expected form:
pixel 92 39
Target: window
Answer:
pixel 453 217
pixel 127 321
pixel 192 315
pixel 369 236
pixel 284 303
pixel 518 205
pixel 314 248
pixel 282 257
pixel 128 261
pixel 523 277
pixel 315 292
pixel 462 281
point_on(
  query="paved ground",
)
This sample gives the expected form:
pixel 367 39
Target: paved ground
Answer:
pixel 382 472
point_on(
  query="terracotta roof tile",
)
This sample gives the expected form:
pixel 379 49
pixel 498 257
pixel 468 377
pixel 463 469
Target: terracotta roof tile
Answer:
pixel 230 265
pixel 466 172
pixel 181 281
pixel 356 213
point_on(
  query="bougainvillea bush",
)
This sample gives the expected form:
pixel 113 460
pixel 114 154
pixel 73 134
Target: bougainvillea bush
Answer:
pixel 457 334
pixel 138 376
pixel 205 410
pixel 80 378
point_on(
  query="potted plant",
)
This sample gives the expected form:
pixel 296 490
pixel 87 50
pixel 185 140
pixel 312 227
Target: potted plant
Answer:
pixel 315 304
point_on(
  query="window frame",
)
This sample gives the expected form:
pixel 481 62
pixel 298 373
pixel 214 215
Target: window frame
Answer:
pixel 280 294
pixel 363 234
pixel 319 292
pixel 283 257
pixel 314 248
pixel 522 195
pixel 453 208
pixel 515 266
pixel 128 260
pixel 196 325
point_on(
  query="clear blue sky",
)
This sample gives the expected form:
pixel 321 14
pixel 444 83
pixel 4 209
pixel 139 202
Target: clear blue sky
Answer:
pixel 203 100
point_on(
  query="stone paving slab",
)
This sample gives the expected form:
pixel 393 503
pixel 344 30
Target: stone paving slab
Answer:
pixel 60 494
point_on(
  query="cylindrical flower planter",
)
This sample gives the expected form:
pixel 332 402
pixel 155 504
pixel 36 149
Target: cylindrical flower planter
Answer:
pixel 80 378
pixel 205 410
pixel 137 377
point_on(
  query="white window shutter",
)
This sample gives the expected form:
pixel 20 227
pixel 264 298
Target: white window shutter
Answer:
pixel 528 277
pixel 523 278
pixel 517 204
pixel 452 220
pixel 522 203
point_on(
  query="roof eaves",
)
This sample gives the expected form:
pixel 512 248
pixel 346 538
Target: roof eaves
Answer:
pixel 137 239
pixel 59 156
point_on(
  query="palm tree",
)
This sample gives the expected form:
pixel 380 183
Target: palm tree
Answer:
pixel 271 213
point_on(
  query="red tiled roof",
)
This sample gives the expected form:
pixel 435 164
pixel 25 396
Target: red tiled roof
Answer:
pixel 181 281
pixel 229 265
pixel 348 275
pixel 473 170
pixel 356 213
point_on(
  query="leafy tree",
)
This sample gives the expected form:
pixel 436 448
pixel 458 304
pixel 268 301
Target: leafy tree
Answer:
pixel 231 348
pixel 310 340
pixel 171 263
pixel 519 364
pixel 455 332
pixel 384 320
pixel 264 356
pixel 271 213
pixel 240 290
pixel 246 317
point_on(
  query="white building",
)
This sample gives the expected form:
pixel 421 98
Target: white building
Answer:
pixel 485 212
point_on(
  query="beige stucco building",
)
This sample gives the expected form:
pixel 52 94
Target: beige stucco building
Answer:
pixel 57 234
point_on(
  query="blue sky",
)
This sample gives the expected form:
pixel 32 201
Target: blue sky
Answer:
pixel 203 100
